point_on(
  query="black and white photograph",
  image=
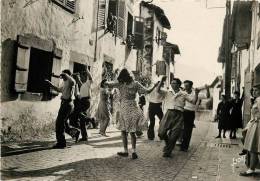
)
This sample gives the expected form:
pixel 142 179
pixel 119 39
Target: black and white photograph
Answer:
pixel 130 90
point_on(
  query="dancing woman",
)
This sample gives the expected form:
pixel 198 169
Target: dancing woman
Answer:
pixel 131 117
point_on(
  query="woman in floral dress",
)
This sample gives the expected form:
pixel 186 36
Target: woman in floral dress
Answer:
pixel 103 114
pixel 131 118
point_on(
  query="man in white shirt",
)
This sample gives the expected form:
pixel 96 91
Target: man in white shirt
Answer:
pixel 172 122
pixel 189 113
pixel 155 108
pixel 66 108
pixel 85 96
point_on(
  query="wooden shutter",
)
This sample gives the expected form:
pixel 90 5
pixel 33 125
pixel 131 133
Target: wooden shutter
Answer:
pixel 22 68
pixel 71 5
pixel 121 18
pixel 101 14
pixel 56 70
pixel 161 68
pixel 258 39
pixel 138 33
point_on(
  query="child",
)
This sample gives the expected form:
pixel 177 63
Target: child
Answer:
pixel 103 114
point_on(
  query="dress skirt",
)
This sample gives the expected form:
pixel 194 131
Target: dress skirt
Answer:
pixel 252 140
pixel 131 117
pixel 103 111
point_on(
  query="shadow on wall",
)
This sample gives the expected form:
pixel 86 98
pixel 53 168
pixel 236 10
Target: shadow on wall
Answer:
pixel 8 64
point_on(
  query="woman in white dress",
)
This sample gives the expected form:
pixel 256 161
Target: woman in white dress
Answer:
pixel 252 139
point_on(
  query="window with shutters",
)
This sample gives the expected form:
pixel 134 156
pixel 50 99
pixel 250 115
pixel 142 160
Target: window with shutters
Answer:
pixel 130 36
pixel 138 33
pixel 112 16
pixel 69 5
pixel 37 60
pixel 101 14
pixel 121 18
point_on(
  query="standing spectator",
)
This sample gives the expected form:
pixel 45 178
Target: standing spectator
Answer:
pixel 236 115
pixel 66 108
pixel 172 122
pixel 223 114
pixel 252 139
pixel 155 108
pixel 131 116
pixel 103 114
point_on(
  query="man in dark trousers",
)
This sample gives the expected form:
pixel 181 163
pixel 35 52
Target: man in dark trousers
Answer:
pixel 189 113
pixel 66 108
pixel 172 122
pixel 155 108
pixel 85 96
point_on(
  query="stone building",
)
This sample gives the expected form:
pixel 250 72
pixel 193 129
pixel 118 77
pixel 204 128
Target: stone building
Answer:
pixel 41 38
pixel 244 52
pixel 150 57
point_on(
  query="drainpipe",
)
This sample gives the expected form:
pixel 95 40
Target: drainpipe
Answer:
pixel 228 53
pixel 96 34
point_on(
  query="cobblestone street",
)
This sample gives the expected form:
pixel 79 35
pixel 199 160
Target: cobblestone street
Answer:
pixel 207 160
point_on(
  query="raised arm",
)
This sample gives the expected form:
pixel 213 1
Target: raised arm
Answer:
pixel 78 79
pixel 112 84
pixel 89 75
pixel 194 99
pixel 160 85
pixel 143 90
pixel 207 89
pixel 58 89
pixel 69 78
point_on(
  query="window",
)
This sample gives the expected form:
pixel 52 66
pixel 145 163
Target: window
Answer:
pixel 34 65
pixel 40 68
pixel 129 24
pixel 121 18
pixel 116 18
pixel 138 33
pixel 108 71
pixel 76 67
pixel 111 17
pixel 161 68
pixel 112 7
pixel 69 5
pixel 158 36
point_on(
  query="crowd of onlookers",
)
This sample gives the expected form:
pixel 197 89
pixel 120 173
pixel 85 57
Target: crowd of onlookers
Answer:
pixel 229 116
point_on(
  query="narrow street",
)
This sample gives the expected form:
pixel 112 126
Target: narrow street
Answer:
pixel 208 159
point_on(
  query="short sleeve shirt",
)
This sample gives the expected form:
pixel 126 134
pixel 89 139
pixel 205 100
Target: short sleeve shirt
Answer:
pixel 85 90
pixel 190 106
